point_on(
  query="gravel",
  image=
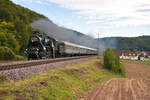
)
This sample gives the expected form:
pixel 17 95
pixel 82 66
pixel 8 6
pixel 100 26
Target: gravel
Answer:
pixel 23 73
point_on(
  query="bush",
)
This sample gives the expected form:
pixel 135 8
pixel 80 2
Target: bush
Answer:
pixel 3 39
pixel 141 55
pixel 17 57
pixel 3 78
pixel 112 62
pixel 6 53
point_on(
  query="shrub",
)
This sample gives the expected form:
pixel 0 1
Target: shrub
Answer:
pixel 3 78
pixel 6 53
pixel 3 39
pixel 141 55
pixel 112 61
pixel 17 57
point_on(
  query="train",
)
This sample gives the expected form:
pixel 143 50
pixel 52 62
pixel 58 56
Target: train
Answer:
pixel 44 47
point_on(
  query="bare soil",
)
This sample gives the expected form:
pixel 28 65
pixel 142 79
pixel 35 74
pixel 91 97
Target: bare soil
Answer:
pixel 135 87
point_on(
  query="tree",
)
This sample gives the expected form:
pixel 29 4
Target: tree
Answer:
pixel 12 43
pixel 5 14
pixel 141 55
pixel 3 39
pixel 6 53
pixel 112 62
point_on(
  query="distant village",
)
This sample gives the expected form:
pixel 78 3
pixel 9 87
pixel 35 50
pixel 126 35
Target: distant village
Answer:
pixel 143 56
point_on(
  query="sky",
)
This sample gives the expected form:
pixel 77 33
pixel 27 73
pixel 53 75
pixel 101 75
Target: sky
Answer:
pixel 108 18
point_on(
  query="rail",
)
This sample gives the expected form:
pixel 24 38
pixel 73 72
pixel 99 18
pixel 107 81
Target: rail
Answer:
pixel 37 62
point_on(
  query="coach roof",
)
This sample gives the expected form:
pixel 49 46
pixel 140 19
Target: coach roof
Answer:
pixel 79 46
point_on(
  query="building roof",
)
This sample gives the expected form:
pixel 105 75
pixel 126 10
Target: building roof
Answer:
pixel 148 53
pixel 127 53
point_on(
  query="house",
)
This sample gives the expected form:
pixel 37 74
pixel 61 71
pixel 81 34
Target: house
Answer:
pixel 129 55
pixel 133 55
pixel 144 59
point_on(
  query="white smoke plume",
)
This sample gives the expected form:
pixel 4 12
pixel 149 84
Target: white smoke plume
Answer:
pixel 60 33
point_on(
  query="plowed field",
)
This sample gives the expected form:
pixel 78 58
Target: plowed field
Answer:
pixel 135 87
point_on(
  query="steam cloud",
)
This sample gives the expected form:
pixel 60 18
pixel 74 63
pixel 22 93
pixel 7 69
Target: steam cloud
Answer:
pixel 107 43
pixel 60 33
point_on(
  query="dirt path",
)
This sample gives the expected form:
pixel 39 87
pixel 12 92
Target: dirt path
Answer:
pixel 135 87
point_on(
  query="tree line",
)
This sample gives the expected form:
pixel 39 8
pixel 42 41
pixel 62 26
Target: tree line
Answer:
pixel 140 43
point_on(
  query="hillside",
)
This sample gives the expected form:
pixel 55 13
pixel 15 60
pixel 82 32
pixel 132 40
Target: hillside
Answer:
pixel 15 26
pixel 140 43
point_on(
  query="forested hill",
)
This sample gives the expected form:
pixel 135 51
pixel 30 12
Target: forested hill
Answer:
pixel 15 26
pixel 141 43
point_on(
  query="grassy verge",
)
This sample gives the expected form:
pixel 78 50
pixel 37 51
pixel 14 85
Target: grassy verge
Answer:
pixel 67 83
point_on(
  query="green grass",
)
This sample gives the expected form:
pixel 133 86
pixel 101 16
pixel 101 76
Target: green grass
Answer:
pixel 69 83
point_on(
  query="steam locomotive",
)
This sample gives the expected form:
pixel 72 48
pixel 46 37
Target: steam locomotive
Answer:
pixel 43 47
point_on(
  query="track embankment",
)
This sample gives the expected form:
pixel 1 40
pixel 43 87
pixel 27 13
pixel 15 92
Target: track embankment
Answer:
pixel 26 69
pixel 16 65
pixel 135 87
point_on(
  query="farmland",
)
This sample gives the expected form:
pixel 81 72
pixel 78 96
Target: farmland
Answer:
pixel 134 87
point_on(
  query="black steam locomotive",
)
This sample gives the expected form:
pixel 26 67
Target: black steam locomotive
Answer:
pixel 42 47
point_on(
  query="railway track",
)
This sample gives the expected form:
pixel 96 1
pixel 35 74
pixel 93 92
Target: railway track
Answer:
pixel 4 67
